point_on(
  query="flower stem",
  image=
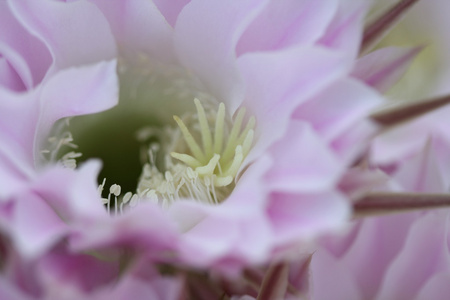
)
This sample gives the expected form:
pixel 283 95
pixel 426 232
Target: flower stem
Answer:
pixel 387 203
pixel 401 113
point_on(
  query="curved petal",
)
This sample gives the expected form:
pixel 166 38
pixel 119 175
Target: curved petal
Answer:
pixel 421 173
pixel 296 165
pixel 66 29
pixel 72 194
pixel 437 288
pixel 331 279
pixel 285 23
pixel 304 216
pixel 382 68
pixel 8 291
pixel 134 229
pixel 139 28
pixel 9 78
pixel 206 35
pixel 171 9
pixel 76 91
pixel 376 245
pixel 335 110
pixel 425 253
pixel 345 31
pixel 18 118
pixel 277 82
pixel 35 226
pixel 26 54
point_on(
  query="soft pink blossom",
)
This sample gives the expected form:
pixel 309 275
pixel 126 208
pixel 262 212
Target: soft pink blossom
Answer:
pixel 294 77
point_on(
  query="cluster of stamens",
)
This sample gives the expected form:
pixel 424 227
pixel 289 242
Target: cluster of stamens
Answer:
pixel 204 171
pixel 61 139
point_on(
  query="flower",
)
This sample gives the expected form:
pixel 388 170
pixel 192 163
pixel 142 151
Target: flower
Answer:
pixel 282 198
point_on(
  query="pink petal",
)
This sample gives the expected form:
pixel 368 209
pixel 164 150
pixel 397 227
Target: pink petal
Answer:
pixel 9 77
pixel 62 274
pixel 18 118
pixel 66 29
pixel 139 28
pixel 171 9
pixel 237 230
pixel 377 244
pixel 285 23
pixel 72 194
pixel 296 167
pixel 437 288
pixel 134 229
pixel 382 68
pixel 404 140
pixel 277 82
pixel 425 253
pixel 352 143
pixel 8 291
pixel 421 173
pixel 336 110
pixel 36 226
pixel 27 55
pixel 345 31
pixel 331 279
pixel 14 174
pixel 77 91
pixel 206 35
pixel 305 215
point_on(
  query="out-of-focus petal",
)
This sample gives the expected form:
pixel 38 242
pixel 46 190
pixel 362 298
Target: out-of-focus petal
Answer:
pixel 77 91
pixel 209 51
pixel 287 23
pixel 335 110
pixel 296 168
pixel 171 9
pixel 306 215
pixel 345 31
pixel 339 286
pixel 277 82
pixel 382 68
pixel 35 226
pixel 154 36
pixel 437 288
pixel 83 25
pixel 425 253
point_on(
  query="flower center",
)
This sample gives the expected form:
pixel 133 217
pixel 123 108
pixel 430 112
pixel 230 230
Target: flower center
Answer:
pixel 199 159
pixel 203 171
